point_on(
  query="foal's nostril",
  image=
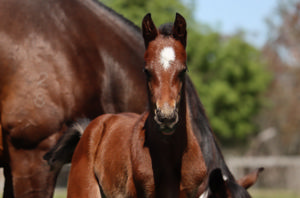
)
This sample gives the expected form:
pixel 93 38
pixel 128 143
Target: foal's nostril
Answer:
pixel 168 119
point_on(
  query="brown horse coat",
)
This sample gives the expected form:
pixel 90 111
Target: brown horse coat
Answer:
pixel 112 147
pixel 155 154
pixel 59 61
pixel 63 60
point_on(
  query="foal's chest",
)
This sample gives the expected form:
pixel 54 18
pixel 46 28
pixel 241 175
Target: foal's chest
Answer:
pixel 193 171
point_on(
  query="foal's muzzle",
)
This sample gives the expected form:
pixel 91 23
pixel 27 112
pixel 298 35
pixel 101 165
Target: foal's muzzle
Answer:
pixel 167 119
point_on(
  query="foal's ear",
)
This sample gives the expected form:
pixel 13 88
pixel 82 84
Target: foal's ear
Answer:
pixel 248 180
pixel 217 184
pixel 149 29
pixel 179 29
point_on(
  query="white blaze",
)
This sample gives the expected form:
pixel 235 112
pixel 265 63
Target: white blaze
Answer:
pixel 166 55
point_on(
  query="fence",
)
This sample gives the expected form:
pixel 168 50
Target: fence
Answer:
pixel 281 172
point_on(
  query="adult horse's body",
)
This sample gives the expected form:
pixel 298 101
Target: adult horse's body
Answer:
pixel 61 60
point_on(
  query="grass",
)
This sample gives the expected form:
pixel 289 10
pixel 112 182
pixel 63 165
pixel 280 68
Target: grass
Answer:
pixel 60 193
pixel 273 193
pixel 255 193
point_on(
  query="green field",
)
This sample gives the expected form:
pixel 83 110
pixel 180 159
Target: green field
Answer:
pixel 271 193
pixel 60 193
pixel 255 193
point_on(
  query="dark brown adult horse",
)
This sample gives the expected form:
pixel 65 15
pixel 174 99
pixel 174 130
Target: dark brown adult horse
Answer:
pixel 62 60
pixel 155 154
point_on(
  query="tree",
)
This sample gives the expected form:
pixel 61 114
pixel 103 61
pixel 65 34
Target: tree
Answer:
pixel 282 52
pixel 230 77
pixel 285 32
pixel 162 11
pixel 228 72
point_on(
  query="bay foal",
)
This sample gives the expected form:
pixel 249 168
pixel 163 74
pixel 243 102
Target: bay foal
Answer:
pixel 155 154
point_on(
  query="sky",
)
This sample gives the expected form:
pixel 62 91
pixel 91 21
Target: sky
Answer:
pixel 228 16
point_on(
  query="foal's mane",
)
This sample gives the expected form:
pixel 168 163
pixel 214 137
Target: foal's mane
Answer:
pixel 166 29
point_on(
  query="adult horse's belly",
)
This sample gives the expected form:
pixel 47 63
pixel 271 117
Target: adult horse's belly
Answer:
pixel 36 94
pixel 29 113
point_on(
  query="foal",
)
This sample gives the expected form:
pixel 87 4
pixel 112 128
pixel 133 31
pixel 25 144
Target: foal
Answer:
pixel 154 154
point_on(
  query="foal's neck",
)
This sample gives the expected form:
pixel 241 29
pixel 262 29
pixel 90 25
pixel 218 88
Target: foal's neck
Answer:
pixel 166 153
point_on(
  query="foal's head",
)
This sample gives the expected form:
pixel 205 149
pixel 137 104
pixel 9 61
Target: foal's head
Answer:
pixel 165 67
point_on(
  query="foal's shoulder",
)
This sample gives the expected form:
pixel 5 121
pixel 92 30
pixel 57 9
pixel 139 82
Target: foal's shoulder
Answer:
pixel 110 126
pixel 111 121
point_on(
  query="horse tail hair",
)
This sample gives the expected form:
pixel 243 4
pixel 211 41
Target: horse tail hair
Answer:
pixel 61 153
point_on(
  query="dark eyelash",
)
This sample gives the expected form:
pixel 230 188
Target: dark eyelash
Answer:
pixel 182 73
pixel 147 72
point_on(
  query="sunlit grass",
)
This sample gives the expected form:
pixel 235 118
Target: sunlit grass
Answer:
pixel 273 193
pixel 60 193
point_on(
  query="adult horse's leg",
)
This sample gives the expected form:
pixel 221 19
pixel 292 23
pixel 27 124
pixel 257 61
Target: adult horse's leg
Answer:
pixel 26 173
pixel 8 189
pixel 1 147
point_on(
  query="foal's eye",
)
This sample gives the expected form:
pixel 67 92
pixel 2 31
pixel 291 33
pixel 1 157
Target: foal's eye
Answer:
pixel 147 72
pixel 182 73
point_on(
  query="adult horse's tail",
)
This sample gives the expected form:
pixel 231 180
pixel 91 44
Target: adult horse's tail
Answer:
pixel 62 152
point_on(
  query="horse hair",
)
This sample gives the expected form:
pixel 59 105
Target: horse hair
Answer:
pixel 62 152
pixel 166 29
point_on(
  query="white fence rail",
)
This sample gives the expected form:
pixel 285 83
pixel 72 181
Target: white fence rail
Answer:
pixel 280 171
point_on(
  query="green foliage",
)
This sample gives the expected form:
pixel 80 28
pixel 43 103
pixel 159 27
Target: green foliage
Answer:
pixel 230 78
pixel 227 72
pixel 162 11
